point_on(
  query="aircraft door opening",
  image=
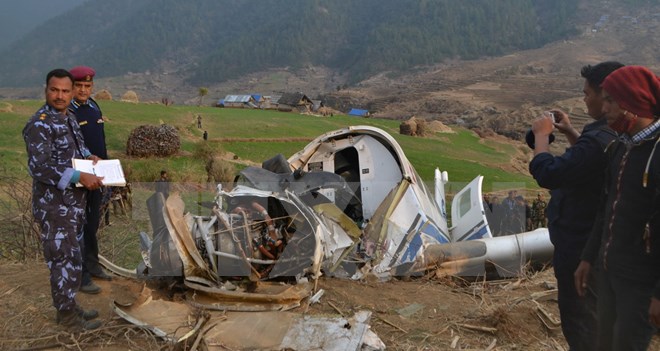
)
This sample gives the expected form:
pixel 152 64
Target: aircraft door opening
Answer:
pixel 347 165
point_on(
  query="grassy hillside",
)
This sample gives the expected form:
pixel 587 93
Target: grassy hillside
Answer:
pixel 254 136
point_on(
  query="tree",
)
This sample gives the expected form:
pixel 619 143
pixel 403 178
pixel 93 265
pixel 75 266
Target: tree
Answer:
pixel 202 92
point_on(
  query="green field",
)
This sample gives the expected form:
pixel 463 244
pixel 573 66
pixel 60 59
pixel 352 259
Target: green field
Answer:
pixel 251 135
pixel 256 135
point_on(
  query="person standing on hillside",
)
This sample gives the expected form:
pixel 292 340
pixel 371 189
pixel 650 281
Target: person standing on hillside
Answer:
pixel 509 214
pixel 91 122
pixel 163 184
pixel 575 179
pixel 625 240
pixel 53 138
pixel 538 212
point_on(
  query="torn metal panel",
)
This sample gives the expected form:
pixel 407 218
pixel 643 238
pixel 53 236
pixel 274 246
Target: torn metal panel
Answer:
pixel 262 296
pixel 163 256
pixel 193 262
pixel 166 319
pixel 327 333
pixel 251 331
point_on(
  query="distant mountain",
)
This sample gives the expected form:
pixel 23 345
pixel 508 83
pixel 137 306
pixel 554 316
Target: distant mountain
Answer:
pixel 211 41
pixel 17 18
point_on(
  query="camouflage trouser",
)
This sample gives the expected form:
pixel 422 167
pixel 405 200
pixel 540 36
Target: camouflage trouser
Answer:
pixel 62 253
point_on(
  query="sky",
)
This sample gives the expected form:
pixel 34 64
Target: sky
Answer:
pixel 19 17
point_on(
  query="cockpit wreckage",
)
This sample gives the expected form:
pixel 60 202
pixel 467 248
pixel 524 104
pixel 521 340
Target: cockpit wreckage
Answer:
pixel 348 205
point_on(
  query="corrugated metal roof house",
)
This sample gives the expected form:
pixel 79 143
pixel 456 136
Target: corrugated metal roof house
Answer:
pixel 239 101
pixel 358 112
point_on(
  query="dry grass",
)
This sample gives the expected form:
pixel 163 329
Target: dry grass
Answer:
pixel 19 233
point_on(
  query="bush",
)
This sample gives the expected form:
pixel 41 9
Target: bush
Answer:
pixel 19 232
pixel 220 171
pixel 149 140
pixel 206 151
pixel 146 172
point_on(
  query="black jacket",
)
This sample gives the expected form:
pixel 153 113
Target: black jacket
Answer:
pixel 575 180
pixel 90 120
pixel 625 240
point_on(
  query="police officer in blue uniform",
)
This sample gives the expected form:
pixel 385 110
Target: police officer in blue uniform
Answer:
pixel 53 138
pixel 90 119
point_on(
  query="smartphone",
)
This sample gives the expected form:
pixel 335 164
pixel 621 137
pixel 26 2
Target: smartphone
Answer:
pixel 551 115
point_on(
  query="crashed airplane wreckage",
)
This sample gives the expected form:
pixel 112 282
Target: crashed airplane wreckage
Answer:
pixel 349 204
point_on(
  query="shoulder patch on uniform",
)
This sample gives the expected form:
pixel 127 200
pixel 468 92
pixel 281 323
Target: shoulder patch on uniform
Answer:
pixel 43 116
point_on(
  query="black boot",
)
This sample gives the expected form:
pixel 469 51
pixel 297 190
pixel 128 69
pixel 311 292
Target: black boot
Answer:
pixel 74 319
pixel 86 315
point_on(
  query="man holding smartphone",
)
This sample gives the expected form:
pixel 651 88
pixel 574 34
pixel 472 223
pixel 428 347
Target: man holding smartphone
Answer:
pixel 575 180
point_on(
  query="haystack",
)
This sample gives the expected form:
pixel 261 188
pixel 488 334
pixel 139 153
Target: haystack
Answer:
pixel 130 96
pixel 413 127
pixel 439 127
pixel 408 127
pixel 422 128
pixel 103 95
pixel 149 140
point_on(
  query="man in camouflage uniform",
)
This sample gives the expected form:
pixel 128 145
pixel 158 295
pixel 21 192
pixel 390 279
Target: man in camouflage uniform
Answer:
pixel 538 212
pixel 52 138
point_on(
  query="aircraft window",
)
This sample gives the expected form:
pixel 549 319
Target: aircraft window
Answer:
pixel 464 203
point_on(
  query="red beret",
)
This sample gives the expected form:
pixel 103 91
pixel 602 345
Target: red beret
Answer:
pixel 636 89
pixel 82 73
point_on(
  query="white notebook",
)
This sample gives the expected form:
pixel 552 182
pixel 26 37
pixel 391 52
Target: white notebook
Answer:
pixel 110 169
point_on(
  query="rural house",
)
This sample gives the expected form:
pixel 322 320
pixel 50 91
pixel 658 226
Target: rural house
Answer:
pixel 316 105
pixel 294 101
pixel 237 101
pixel 358 112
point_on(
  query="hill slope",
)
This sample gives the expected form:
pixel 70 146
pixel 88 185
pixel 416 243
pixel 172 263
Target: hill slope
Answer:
pixel 209 41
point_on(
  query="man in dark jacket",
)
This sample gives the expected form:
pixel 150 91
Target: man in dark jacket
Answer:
pixel 91 122
pixel 625 240
pixel 575 179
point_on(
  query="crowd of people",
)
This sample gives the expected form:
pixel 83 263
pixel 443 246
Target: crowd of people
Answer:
pixel 514 214
pixel 603 216
pixel 604 211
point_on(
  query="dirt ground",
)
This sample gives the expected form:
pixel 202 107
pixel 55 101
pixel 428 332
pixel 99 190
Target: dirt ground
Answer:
pixel 424 313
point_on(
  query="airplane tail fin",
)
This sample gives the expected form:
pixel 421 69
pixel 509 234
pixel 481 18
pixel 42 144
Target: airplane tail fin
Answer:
pixel 441 178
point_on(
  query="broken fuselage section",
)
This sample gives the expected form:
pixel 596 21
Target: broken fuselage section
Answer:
pixel 349 204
